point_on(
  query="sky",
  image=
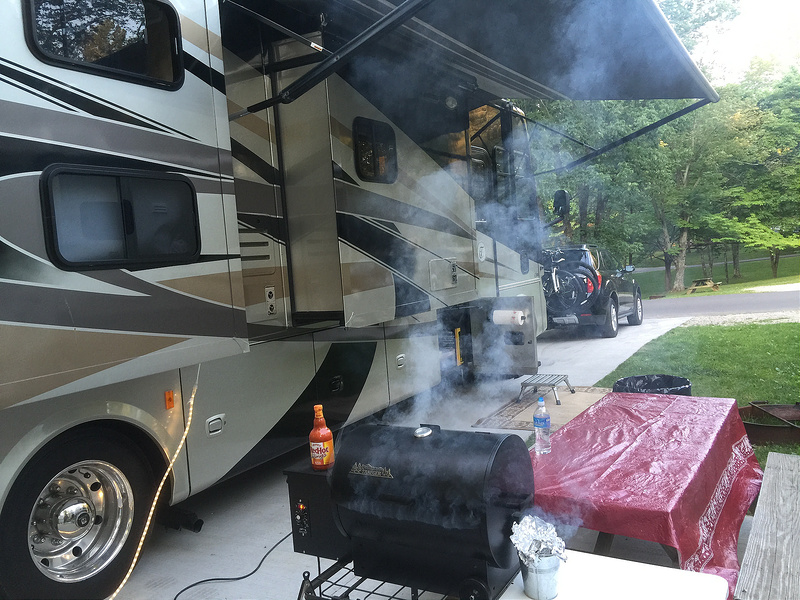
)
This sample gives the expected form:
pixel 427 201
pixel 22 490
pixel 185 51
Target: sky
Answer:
pixel 764 28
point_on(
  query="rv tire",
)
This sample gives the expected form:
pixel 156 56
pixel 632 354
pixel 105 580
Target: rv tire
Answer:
pixel 73 518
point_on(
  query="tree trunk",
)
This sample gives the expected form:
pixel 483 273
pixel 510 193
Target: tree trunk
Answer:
pixel 667 272
pixel 737 272
pixel 703 264
pixel 665 245
pixel 774 257
pixel 599 213
pixel 711 259
pixel 583 213
pixel 680 261
pixel 727 275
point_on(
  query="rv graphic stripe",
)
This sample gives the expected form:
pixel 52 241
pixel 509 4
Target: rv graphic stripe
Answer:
pixel 369 204
pixel 265 224
pixel 24 156
pixel 349 363
pixel 139 307
pixel 50 88
pixel 341 174
pixel 254 162
pixel 204 73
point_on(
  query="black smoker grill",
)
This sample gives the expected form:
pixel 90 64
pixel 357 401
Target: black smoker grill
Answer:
pixel 424 508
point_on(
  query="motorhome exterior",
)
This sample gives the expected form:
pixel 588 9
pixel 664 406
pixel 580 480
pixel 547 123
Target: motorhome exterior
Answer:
pixel 247 205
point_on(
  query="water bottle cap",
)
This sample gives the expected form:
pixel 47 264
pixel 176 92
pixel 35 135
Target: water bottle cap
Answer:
pixel 541 400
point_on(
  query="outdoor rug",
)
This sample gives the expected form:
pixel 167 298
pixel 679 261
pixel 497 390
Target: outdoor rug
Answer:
pixel 519 414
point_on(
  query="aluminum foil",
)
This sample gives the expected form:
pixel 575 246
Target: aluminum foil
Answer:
pixel 534 538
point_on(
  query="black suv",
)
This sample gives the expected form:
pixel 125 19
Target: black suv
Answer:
pixel 586 285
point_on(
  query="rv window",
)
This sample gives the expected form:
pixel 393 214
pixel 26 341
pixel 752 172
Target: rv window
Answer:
pixel 375 150
pixel 481 175
pixel 130 220
pixel 136 39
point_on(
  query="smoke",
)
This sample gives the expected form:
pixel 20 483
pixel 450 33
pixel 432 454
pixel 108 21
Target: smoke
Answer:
pixel 567 525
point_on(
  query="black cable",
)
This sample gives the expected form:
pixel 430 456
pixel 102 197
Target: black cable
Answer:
pixel 228 579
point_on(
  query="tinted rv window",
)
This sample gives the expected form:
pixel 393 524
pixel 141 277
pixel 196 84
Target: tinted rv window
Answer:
pixel 119 220
pixel 375 150
pixel 132 39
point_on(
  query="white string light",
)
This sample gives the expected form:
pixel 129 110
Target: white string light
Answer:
pixel 160 487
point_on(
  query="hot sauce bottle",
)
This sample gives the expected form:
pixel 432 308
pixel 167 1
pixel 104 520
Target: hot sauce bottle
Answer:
pixel 321 441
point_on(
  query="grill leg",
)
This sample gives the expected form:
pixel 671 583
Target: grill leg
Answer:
pixel 555 393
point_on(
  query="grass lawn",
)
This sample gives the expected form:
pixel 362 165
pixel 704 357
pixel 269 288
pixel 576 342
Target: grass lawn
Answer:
pixel 753 273
pixel 747 361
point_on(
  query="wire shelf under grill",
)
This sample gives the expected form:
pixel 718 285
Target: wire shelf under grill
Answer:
pixel 339 582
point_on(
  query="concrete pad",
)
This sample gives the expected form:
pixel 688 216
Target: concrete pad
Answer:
pixel 571 405
pixel 248 515
pixel 586 357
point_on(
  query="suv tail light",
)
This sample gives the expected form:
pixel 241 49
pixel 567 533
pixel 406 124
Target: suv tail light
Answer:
pixel 590 285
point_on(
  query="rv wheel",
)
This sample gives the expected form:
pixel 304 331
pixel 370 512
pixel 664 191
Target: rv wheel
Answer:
pixel 73 519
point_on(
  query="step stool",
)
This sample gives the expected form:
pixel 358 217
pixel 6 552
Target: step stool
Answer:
pixel 541 380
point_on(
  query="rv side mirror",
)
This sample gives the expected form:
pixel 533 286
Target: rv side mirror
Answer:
pixel 561 203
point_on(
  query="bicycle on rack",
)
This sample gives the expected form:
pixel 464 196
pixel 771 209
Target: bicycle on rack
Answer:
pixel 568 285
pixel 585 285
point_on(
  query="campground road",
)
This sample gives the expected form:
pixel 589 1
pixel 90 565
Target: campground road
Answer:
pixel 587 357
pixel 721 304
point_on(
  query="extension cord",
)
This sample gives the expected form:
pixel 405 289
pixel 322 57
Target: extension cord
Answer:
pixel 160 487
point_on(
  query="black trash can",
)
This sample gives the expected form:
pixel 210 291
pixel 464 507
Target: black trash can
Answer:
pixel 654 384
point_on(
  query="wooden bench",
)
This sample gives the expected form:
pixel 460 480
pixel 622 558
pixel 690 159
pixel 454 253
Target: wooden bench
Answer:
pixel 771 566
pixel 706 282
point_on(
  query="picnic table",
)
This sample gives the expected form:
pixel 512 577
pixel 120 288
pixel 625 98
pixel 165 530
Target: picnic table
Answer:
pixel 675 470
pixel 705 282
pixel 769 567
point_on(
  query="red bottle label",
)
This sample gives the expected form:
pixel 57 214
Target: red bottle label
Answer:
pixel 322 453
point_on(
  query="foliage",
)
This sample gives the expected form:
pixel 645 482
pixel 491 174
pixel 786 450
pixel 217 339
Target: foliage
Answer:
pixel 691 19
pixel 762 452
pixel 90 29
pixel 726 175
pixel 711 358
pixel 753 274
pixel 765 195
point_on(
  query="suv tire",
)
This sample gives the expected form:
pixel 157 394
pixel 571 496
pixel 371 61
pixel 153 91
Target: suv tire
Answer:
pixel 638 310
pixel 610 328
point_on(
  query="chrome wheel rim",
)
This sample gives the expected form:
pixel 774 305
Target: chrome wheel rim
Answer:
pixel 80 521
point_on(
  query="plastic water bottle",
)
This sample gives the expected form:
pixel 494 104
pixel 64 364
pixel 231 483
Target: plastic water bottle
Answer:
pixel 541 426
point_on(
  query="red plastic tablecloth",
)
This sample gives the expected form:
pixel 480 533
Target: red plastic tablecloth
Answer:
pixel 677 470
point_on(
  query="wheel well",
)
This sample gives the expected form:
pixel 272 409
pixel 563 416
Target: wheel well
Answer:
pixel 145 443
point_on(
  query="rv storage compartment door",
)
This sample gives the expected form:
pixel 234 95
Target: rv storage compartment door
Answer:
pixel 330 280
pixel 310 208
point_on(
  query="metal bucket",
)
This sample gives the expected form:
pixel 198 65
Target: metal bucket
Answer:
pixel 540 580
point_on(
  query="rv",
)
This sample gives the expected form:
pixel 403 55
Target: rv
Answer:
pixel 226 213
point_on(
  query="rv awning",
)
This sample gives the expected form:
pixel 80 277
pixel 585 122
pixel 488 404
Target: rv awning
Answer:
pixel 568 49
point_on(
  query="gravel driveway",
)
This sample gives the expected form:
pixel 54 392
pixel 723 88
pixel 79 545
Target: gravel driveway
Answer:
pixel 784 316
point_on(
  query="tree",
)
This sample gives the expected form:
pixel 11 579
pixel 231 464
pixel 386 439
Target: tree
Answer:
pixel 657 194
pixel 770 195
pixel 71 28
pixel 691 19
